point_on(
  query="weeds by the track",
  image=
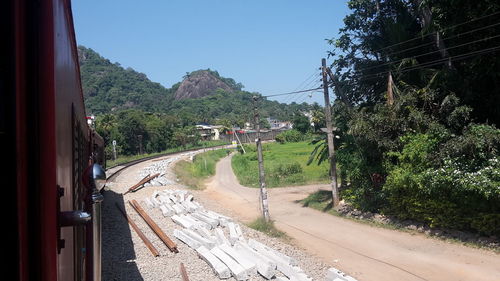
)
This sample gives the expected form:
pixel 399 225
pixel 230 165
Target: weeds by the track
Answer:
pixel 267 227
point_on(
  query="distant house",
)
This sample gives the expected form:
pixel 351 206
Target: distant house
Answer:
pixel 209 132
pixel 278 124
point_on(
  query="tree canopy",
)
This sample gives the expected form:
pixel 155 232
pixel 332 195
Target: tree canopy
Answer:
pixel 417 83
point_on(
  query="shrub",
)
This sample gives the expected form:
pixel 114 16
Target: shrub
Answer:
pixel 461 191
pixel 290 136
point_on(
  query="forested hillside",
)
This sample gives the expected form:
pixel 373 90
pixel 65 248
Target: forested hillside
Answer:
pixel 127 105
pixel 203 95
pixel 418 85
pixel 109 87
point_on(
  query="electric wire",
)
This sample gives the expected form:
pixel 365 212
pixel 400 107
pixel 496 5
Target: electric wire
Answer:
pixel 303 85
pixel 431 63
pixel 447 38
pixel 290 93
pixel 301 93
pixel 428 53
pixel 302 97
pixel 444 29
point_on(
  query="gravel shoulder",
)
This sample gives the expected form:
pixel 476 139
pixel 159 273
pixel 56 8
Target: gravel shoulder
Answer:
pixel 125 257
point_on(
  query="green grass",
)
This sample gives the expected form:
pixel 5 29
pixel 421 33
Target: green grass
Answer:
pixel 194 173
pixel 266 227
pixel 124 159
pixel 284 165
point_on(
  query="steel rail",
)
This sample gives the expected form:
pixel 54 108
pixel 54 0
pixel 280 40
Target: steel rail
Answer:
pixel 145 180
pixel 156 229
pixel 146 241
pixel 184 274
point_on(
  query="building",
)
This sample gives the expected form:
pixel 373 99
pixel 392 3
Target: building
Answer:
pixel 209 132
pixel 278 124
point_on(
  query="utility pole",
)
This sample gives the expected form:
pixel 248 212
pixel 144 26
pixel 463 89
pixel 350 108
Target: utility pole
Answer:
pixel 241 145
pixel 262 180
pixel 114 150
pixel 329 136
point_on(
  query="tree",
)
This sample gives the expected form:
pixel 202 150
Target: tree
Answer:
pixel 301 123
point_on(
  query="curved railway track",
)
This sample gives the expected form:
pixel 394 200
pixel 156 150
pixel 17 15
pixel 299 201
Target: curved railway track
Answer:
pixel 123 166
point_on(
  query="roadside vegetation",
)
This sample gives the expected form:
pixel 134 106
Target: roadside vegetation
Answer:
pixel 268 228
pixel 193 173
pixel 423 144
pixel 284 164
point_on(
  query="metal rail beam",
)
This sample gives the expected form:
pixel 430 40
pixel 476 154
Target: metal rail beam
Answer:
pixel 156 229
pixel 146 241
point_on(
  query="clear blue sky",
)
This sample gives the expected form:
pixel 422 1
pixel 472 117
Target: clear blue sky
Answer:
pixel 270 46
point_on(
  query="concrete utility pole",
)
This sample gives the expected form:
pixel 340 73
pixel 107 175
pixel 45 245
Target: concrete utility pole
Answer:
pixel 329 136
pixel 262 180
pixel 241 145
pixel 114 150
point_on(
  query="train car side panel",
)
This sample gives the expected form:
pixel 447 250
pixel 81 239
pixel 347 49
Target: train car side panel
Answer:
pixel 73 149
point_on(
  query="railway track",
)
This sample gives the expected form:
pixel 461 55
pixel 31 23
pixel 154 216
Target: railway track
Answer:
pixel 121 167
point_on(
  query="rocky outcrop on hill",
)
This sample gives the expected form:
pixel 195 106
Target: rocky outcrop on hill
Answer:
pixel 200 84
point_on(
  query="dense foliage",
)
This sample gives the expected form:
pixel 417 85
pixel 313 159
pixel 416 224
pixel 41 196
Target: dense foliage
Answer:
pixel 132 109
pixel 291 136
pixel 134 130
pixel 425 146
pixel 108 87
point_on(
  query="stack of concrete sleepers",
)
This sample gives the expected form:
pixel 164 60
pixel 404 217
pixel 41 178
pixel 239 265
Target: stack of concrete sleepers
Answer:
pixel 203 231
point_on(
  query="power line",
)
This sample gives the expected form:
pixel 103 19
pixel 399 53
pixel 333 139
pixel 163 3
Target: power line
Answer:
pixel 314 76
pixel 428 53
pixel 447 38
pixel 422 36
pixel 432 63
pixel 290 93
pixel 303 96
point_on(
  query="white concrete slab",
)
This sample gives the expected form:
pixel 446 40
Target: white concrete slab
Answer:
pixel 179 234
pixel 265 266
pixel 287 259
pixel 217 265
pixel 207 243
pixel 233 236
pixel 221 238
pixel 236 269
pixel 240 257
pixel 199 215
pixel 182 222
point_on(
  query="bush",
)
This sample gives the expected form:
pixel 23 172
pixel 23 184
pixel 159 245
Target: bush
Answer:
pixel 290 136
pixel 452 193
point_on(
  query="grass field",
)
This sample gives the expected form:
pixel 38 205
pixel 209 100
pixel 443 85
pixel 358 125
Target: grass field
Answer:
pixel 284 165
pixel 194 173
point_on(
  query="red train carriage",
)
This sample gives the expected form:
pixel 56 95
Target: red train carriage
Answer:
pixel 52 180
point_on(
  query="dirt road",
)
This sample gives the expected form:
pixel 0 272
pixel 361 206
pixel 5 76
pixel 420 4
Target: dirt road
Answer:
pixel 363 251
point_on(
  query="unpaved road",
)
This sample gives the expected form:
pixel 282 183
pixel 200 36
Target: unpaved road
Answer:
pixel 363 251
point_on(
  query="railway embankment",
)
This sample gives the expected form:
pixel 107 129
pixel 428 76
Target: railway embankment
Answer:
pixel 125 257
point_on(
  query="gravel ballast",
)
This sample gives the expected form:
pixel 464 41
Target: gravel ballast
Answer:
pixel 125 257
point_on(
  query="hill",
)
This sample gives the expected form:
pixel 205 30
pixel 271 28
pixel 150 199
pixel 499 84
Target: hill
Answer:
pixel 199 84
pixel 203 95
pixel 109 87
